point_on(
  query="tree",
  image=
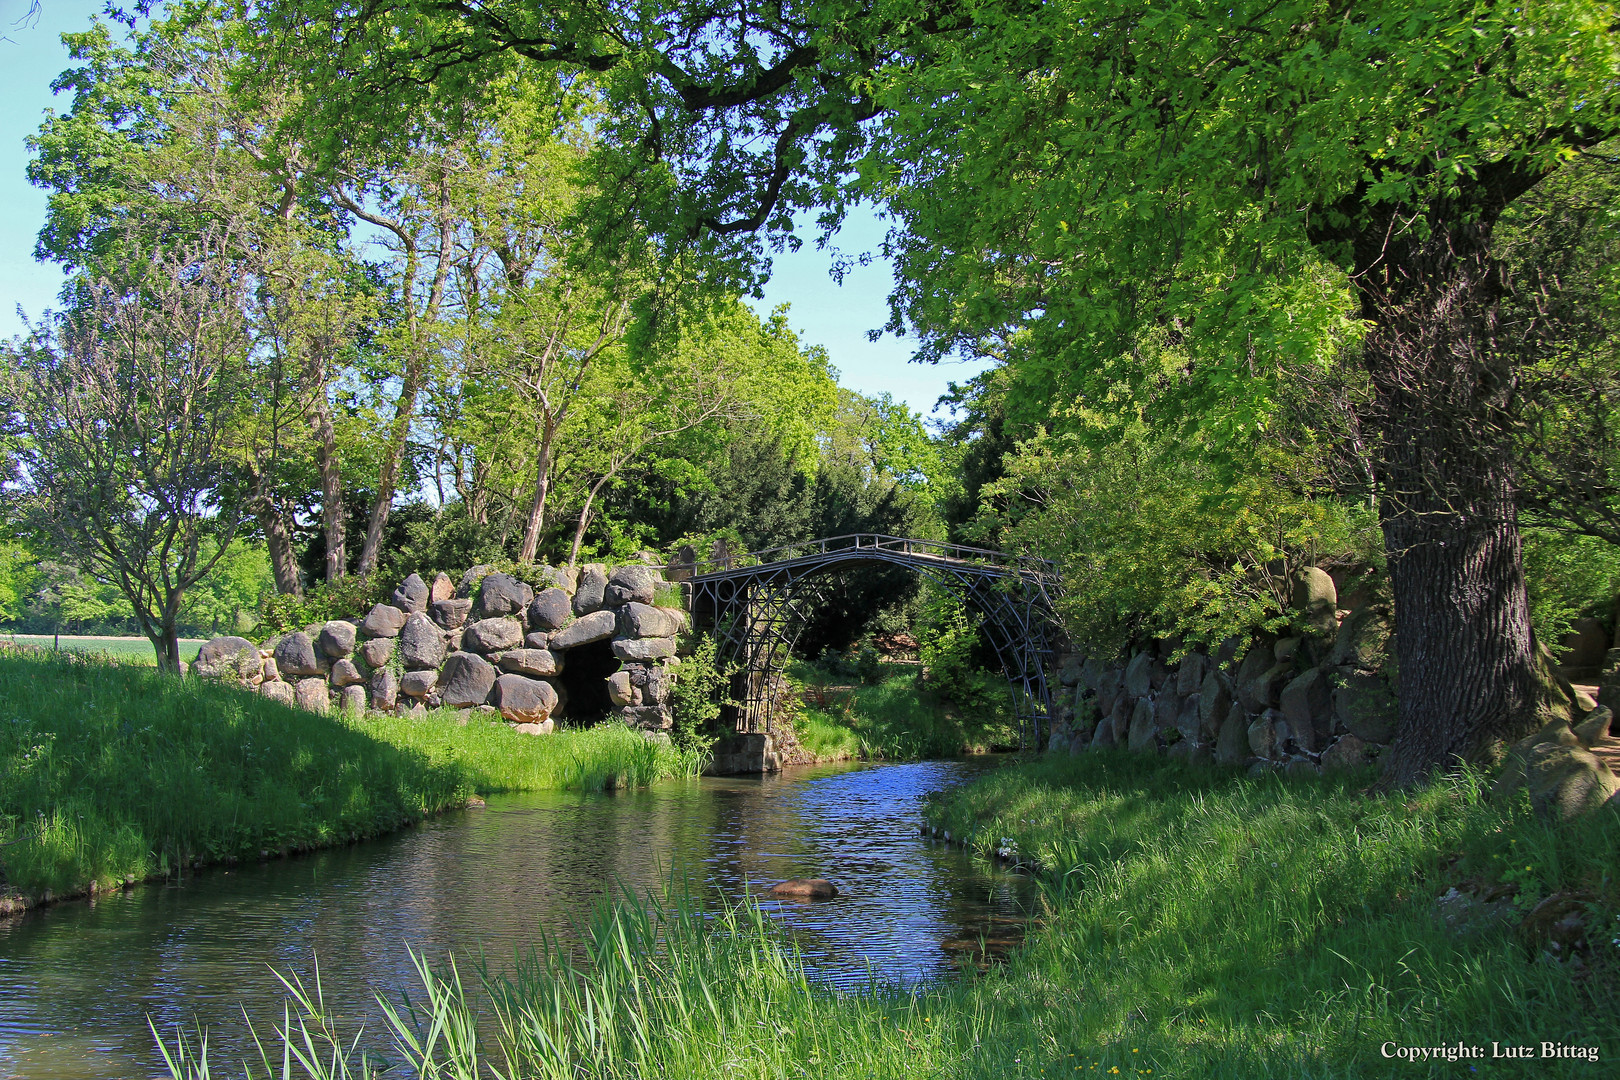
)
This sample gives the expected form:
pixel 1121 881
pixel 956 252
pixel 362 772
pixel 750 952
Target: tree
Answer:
pixel 1269 185
pixel 129 405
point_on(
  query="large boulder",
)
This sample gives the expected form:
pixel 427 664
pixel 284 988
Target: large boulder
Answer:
pixel 1307 703
pixel 592 588
pixel 1232 744
pixel 345 673
pixel 270 672
pixel 441 589
pixel 1316 599
pixel 311 695
pixel 631 584
pixel 501 594
pixel 337 638
pixel 536 663
pixel 643 620
pixel 452 613
pixel 1585 645
pixel 550 609
pixel 1564 778
pixel 279 691
pixel 1143 730
pixel 419 684
pixel 1256 662
pixel 536 639
pixel 421 644
pixel 1594 726
pixel 1264 691
pixel 1262 737
pixel 295 655
pixel 493 635
pixel 596 626
pixel 470 580
pixel 653 682
pixel 375 652
pixel 642 650
pixel 1195 667
pixel 229 658
pixel 1214 702
pixel 383 620
pixel 621 691
pixel 1363 640
pixel 413 595
pixel 465 680
pixel 649 717
pixel 1139 675
pixel 352 701
pixel 1365 707
pixel 384 690
pixel 1187 720
pixel 1347 752
pixel 524 700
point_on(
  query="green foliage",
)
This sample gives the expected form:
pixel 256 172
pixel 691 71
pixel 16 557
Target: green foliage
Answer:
pixel 346 598
pixel 1568 576
pixel 19 570
pixel 698 696
pixel 1180 908
pixel 109 771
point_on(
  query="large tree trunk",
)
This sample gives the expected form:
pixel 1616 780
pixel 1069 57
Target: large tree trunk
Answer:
pixel 1469 677
pixel 283 563
pixel 326 458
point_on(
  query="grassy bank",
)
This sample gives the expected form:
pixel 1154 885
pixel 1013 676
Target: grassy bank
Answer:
pixel 1197 925
pixel 111 771
pixel 136 649
pixel 894 716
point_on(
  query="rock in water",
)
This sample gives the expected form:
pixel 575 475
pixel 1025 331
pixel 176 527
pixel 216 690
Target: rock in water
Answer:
pixel 806 889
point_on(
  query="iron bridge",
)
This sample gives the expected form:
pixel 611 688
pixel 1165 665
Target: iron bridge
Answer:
pixel 756 606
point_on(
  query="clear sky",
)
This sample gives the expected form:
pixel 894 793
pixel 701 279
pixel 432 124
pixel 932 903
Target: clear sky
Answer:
pixel 31 55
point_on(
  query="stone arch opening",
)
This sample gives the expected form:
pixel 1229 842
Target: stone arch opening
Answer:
pixel 583 682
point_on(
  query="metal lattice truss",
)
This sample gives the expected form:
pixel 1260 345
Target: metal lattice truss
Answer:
pixel 757 605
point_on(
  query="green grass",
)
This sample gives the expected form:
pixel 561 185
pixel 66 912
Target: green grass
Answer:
pixel 110 771
pixel 894 718
pixel 1196 924
pixel 136 649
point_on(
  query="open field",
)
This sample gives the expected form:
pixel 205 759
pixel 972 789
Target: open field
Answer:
pixel 122 648
pixel 112 771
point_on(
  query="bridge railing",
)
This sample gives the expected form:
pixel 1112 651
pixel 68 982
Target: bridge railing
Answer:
pixel 856 542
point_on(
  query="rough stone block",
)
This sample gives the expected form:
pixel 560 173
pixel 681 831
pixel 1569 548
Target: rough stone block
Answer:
pixel 376 652
pixel 641 650
pixel 345 673
pixel 523 700
pixel 620 691
pixel 465 680
pixel 1307 703
pixel 641 620
pixel 413 595
pixel 337 639
pixel 452 614
pixel 384 690
pixel 295 655
pixel 1143 732
pixel 536 663
pixel 550 610
pixel 469 580
pixel 501 594
pixel 279 691
pixel 383 620
pixel 1139 675
pixel 1365 706
pixel 631 584
pixel 1232 742
pixel 421 644
pixel 1347 752
pixel 536 639
pixel 1188 721
pixel 1262 737
pixel 442 588
pixel 1190 675
pixel 592 587
pixel 1316 598
pixel 596 626
pixel 1255 663
pixel 229 658
pixel 493 635
pixel 1214 702
pixel 656 689
pixel 352 701
pixel 418 684
pixel 311 695
pixel 649 717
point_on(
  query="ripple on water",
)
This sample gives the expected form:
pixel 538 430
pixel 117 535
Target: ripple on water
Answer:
pixel 77 981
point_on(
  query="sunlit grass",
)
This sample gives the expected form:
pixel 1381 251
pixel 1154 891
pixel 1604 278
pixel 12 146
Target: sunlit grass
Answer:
pixel 137 649
pixel 1195 924
pixel 110 771
pixel 894 718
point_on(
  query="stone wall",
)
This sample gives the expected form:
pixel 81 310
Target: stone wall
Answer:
pixel 1321 697
pixel 491 642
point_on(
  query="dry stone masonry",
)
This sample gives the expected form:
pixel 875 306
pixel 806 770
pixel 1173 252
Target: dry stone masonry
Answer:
pixel 491 642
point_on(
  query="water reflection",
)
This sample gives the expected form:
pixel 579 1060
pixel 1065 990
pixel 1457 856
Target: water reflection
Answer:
pixel 77 981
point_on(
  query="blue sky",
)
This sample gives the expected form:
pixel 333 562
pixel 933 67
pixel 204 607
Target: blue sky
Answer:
pixel 837 317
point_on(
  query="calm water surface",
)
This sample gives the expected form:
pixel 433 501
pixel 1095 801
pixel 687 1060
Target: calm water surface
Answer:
pixel 78 981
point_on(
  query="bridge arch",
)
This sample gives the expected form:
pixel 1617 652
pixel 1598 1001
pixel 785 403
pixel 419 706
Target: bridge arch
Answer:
pixel 757 605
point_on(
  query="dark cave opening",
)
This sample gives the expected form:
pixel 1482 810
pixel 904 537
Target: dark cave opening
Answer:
pixel 585 669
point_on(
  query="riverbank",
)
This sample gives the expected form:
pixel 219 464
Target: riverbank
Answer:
pixel 111 774
pixel 892 717
pixel 1196 924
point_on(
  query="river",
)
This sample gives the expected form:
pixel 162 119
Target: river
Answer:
pixel 79 980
